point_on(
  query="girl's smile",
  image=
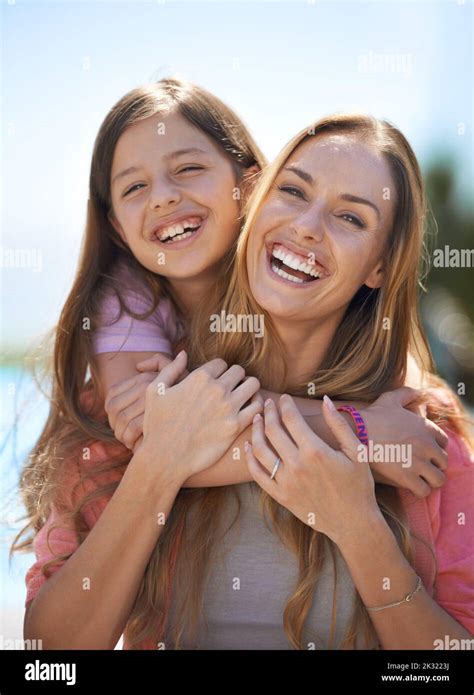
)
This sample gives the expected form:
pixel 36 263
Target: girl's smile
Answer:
pixel 173 188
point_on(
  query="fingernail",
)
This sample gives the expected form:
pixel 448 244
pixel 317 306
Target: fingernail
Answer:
pixel 284 397
pixel 329 403
pixel 267 402
pixel 183 352
pixel 257 417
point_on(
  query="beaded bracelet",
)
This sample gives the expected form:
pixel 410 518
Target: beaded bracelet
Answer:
pixel 361 429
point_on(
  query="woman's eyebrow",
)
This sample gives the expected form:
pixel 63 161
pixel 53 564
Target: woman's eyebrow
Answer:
pixel 345 196
pixel 302 174
pixel 362 201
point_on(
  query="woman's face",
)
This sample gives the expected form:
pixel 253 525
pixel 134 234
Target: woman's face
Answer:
pixel 173 196
pixel 320 233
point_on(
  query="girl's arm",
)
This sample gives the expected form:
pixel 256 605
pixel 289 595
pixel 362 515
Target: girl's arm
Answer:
pixel 393 429
pixel 114 367
pixel 411 448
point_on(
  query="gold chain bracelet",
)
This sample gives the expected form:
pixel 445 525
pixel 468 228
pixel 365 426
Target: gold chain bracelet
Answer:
pixel 407 599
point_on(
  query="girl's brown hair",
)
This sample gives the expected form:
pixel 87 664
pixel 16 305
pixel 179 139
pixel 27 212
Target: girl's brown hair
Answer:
pixel 72 425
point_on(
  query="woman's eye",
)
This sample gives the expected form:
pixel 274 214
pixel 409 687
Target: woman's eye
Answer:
pixel 133 188
pixel 292 190
pixel 353 220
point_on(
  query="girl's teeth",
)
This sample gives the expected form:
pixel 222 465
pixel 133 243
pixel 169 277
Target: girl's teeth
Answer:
pixel 178 229
pixel 181 236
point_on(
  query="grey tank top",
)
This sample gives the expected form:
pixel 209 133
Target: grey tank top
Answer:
pixel 252 576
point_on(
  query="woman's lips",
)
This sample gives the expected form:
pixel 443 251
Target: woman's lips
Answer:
pixel 297 285
pixel 183 242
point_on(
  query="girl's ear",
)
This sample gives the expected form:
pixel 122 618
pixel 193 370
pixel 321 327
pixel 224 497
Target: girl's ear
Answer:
pixel 376 277
pixel 116 225
pixel 249 179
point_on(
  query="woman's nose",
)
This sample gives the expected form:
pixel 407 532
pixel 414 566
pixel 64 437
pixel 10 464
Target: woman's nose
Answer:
pixel 309 226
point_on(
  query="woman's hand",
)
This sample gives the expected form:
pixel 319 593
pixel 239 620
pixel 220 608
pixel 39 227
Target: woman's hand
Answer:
pixel 331 491
pixel 189 424
pixel 125 401
pixel 413 447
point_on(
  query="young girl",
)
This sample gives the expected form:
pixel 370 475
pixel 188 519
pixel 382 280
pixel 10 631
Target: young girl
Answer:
pixel 121 242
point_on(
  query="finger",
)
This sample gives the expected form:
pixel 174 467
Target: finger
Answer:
pixel 214 368
pixel 127 384
pixel 115 406
pixel 404 395
pixel 438 456
pixel 126 417
pixel 133 431
pixel 341 429
pixel 155 363
pixel 420 488
pixel 262 450
pixel 276 433
pixel 137 443
pixel 232 377
pixel 246 391
pixel 295 424
pixel 258 473
pixel 171 373
pixel 432 475
pixel 440 435
pixel 246 415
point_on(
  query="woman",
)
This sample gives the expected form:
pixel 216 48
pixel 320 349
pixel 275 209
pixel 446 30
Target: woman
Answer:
pixel 354 362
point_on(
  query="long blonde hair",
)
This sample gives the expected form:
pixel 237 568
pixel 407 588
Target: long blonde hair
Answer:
pixel 362 362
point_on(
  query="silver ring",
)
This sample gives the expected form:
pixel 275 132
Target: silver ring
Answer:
pixel 275 468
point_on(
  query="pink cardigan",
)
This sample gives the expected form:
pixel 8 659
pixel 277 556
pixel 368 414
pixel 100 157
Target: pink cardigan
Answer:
pixel 445 520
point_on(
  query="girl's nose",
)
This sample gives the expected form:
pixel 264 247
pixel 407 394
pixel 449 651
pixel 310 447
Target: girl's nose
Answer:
pixel 164 194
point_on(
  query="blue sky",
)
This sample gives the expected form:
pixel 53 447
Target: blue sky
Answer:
pixel 279 64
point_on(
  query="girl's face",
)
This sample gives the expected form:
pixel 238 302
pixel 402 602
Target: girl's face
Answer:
pixel 320 233
pixel 173 196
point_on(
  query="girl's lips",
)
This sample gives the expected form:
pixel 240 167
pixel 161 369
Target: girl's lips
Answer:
pixel 184 242
pixel 278 278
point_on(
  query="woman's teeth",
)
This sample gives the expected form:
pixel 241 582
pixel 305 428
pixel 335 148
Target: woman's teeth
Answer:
pixel 179 230
pixel 292 268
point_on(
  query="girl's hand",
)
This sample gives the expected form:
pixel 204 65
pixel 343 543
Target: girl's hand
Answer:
pixel 189 425
pixel 331 491
pixel 125 401
pixel 414 447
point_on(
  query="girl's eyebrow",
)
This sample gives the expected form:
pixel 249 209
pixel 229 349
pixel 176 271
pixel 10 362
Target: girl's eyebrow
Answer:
pixel 170 155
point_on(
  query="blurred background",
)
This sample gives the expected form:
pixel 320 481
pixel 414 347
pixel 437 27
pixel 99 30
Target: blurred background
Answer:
pixel 280 65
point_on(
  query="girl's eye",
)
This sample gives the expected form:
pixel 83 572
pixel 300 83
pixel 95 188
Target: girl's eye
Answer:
pixel 353 220
pixel 292 190
pixel 191 167
pixel 133 188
